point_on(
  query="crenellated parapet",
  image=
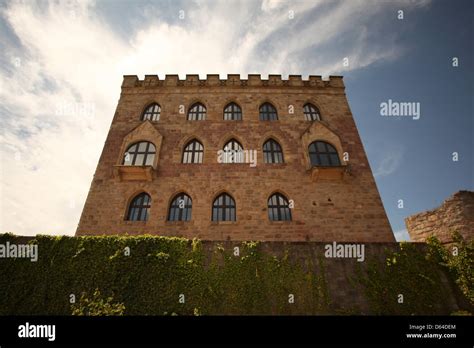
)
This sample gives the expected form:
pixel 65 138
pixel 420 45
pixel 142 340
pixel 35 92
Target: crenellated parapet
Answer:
pixel 233 80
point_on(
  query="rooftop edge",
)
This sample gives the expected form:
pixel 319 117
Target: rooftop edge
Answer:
pixel 172 80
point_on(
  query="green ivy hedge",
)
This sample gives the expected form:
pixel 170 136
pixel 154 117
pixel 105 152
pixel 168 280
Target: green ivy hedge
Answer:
pixel 158 271
pixel 427 280
pixel 151 279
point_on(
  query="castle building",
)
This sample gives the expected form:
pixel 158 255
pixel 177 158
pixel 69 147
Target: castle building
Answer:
pixel 235 159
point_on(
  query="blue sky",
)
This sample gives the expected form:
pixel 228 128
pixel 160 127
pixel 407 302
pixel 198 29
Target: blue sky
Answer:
pixel 61 65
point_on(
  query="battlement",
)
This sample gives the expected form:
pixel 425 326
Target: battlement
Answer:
pixel 233 80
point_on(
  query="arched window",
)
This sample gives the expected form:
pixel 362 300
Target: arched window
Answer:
pixel 197 112
pixel 140 154
pixel 278 208
pixel 311 112
pixel 232 112
pixel 152 112
pixel 323 154
pixel 180 208
pixel 233 152
pixel 139 207
pixel 268 112
pixel 193 152
pixel 223 208
pixel 272 152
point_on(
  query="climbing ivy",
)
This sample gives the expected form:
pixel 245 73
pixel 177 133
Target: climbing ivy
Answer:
pixel 97 306
pixel 458 259
pixel 152 275
pixel 415 280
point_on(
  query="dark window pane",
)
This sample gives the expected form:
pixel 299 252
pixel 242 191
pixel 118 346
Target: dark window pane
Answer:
pixel 268 112
pixel 180 208
pixel 278 208
pixel 324 154
pixel 334 159
pixel 223 208
pixel 138 209
pixel 324 159
pixel 272 152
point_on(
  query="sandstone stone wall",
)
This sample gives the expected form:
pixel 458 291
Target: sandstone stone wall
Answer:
pixel 342 206
pixel 455 214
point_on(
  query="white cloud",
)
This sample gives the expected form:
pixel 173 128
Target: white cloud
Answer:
pixel 389 163
pixel 402 235
pixel 71 57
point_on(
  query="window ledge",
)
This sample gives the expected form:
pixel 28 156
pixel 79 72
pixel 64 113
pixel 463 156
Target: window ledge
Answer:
pixel 134 222
pixel 178 223
pixel 133 173
pixel 223 222
pixel 329 173
pixel 280 222
pixel 283 164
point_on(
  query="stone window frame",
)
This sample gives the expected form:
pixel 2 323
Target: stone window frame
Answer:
pixel 135 136
pixel 318 131
pixel 228 137
pixel 145 131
